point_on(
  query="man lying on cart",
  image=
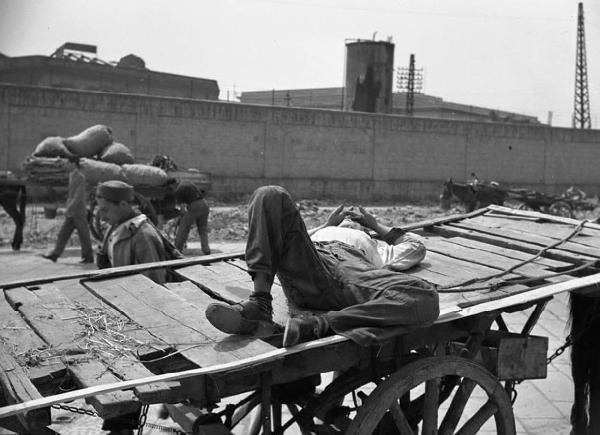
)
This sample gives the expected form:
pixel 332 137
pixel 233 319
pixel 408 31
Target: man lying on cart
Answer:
pixel 354 277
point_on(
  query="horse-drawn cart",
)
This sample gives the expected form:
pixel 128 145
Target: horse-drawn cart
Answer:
pixel 559 205
pixel 122 342
pixel 48 178
pixel 477 195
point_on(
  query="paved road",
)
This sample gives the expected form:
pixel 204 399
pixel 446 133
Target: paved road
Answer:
pixel 542 406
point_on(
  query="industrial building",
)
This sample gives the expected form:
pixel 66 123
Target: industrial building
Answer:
pixel 368 87
pixel 75 66
pixel 425 106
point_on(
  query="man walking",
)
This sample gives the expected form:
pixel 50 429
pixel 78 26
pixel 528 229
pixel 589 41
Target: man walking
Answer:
pixel 75 216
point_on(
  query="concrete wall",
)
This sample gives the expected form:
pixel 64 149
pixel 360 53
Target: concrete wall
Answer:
pixel 311 152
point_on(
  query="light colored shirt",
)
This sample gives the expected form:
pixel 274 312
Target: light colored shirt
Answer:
pixel 350 236
pixel 406 252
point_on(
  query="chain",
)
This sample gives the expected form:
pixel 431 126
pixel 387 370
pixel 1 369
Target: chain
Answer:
pixel 75 409
pixel 142 419
pixel 558 352
pixel 165 429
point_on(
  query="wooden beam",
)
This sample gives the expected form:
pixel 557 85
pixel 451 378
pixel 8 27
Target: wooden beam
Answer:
pixel 17 388
pixel 120 271
pixel 538 215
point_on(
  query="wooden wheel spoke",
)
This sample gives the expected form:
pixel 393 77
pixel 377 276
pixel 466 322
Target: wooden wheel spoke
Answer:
pixel 400 420
pixel 382 409
pixel 457 406
pixel 430 407
pixel 243 411
pixel 473 425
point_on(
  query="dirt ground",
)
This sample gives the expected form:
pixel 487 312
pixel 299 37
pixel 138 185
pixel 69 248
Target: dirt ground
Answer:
pixel 227 221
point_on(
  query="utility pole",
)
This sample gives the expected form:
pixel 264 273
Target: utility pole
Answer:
pixel 581 112
pixel 410 92
pixel 410 80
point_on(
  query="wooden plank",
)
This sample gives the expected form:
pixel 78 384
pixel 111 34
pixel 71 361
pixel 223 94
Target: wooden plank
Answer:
pixel 489 259
pixel 23 344
pixel 78 329
pixel 114 272
pixel 92 373
pixel 220 280
pixel 509 253
pixel 51 315
pixel 496 238
pixel 15 334
pixel 535 239
pixel 535 214
pixel 174 320
pixel 145 343
pixel 459 269
pixel 555 231
pixel 17 388
pixel 160 392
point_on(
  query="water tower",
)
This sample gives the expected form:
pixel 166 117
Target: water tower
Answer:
pixel 369 76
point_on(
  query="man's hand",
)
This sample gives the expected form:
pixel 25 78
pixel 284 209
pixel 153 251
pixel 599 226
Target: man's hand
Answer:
pixel 336 217
pixel 363 217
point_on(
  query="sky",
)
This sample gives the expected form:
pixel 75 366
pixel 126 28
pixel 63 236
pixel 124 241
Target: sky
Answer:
pixel 513 55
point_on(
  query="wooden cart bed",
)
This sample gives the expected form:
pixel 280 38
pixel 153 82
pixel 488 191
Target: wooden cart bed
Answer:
pixel 104 327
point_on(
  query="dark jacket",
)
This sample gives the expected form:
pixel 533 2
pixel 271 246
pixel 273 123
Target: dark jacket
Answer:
pixel 137 242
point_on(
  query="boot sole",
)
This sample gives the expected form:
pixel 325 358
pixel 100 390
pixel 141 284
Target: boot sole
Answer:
pixel 231 321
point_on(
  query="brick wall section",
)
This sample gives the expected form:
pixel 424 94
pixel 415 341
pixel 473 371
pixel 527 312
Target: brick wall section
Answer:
pixel 312 152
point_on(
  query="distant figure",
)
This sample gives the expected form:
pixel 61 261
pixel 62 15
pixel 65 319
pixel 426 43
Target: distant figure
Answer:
pixel 474 180
pixel 75 216
pixel 132 237
pixel 192 197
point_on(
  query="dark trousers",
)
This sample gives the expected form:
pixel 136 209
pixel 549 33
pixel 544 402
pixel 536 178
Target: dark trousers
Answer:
pixel 331 276
pixel 197 213
pixel 70 224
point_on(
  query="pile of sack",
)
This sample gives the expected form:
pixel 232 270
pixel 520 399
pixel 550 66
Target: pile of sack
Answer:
pixel 101 158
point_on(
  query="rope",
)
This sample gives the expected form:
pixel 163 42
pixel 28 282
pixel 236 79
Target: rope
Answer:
pixel 458 287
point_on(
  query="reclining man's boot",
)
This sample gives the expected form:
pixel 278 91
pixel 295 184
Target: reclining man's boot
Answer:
pixel 298 330
pixel 253 316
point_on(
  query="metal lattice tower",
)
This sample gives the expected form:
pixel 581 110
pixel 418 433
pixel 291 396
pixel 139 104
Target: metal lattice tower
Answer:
pixel 410 91
pixel 410 80
pixel 581 113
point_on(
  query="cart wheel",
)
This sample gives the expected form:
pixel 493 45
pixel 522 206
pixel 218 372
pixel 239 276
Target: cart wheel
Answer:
pixel 561 208
pixel 529 207
pixel 525 206
pixel 465 414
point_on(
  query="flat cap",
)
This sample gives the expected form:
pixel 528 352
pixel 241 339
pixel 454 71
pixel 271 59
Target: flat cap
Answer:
pixel 115 190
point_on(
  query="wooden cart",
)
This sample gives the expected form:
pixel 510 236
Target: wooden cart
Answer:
pixel 123 342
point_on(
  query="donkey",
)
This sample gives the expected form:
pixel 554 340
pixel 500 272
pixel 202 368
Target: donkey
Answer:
pixel 13 198
pixel 585 364
pixel 473 195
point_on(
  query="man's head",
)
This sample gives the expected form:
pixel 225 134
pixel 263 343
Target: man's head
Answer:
pixel 115 201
